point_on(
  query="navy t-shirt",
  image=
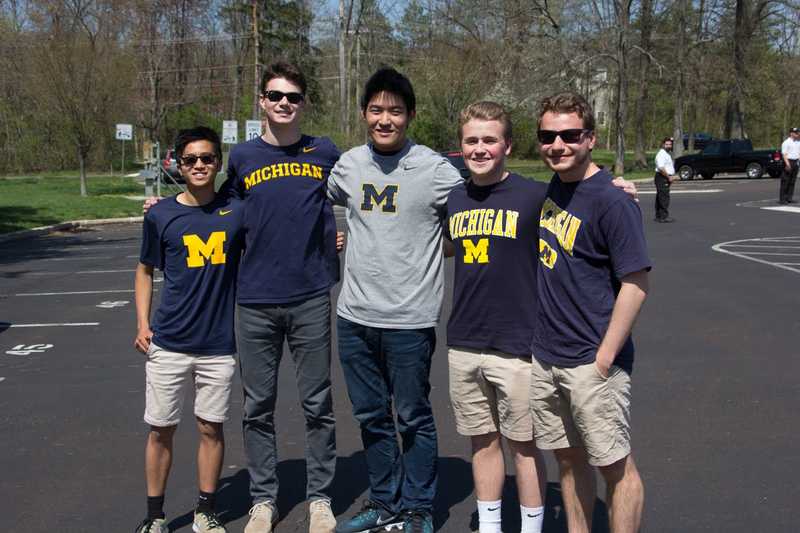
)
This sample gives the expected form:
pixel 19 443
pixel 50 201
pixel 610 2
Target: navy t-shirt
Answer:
pixel 495 232
pixel 198 249
pixel 291 231
pixel 591 236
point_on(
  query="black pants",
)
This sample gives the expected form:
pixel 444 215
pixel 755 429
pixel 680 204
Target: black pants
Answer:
pixel 662 196
pixel 787 182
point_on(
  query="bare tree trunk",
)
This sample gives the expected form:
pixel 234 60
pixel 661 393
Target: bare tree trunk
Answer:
pixel 643 98
pixel 680 81
pixel 82 165
pixel 621 109
pixel 343 118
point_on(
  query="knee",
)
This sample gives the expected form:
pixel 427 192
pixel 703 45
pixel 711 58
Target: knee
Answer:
pixel 414 418
pixel 624 472
pixel 570 459
pixel 211 431
pixel 487 443
pixel 161 435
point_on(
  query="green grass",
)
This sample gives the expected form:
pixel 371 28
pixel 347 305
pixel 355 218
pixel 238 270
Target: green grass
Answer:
pixel 537 169
pixel 28 202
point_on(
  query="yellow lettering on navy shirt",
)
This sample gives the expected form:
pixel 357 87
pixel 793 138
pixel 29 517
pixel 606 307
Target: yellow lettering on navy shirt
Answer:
pixel 282 170
pixel 497 223
pixel 560 223
pixel 199 250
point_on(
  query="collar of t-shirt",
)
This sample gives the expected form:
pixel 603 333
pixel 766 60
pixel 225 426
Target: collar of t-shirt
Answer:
pixel 391 153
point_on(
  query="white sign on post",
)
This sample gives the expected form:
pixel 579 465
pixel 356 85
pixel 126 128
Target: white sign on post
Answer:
pixel 253 128
pixel 124 132
pixel 230 132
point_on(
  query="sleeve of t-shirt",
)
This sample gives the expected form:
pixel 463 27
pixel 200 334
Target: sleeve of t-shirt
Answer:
pixel 445 179
pixel 151 251
pixel 622 227
pixel 335 192
pixel 785 146
pixel 232 187
pixel 446 232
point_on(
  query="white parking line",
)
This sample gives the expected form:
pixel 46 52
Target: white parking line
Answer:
pixel 744 250
pixel 784 208
pixel 64 324
pixel 80 272
pixel 71 292
pixel 683 191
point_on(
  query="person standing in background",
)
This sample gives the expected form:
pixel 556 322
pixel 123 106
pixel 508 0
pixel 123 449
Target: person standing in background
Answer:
pixel 790 151
pixel 665 175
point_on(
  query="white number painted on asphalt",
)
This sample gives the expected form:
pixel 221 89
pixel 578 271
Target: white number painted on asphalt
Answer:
pixel 111 305
pixel 22 349
pixel 2 380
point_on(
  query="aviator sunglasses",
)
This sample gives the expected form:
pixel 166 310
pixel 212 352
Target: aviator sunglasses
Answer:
pixel 571 136
pixel 190 160
pixel 277 96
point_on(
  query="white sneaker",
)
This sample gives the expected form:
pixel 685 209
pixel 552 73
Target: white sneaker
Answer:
pixel 320 517
pixel 263 516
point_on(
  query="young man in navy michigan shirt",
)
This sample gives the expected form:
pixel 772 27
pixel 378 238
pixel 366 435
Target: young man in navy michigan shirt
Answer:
pixel 394 192
pixel 592 282
pixel 195 239
pixel 288 268
pixel 492 229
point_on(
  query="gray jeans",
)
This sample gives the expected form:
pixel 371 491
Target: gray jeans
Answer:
pixel 260 331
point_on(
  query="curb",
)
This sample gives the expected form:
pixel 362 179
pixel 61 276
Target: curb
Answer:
pixel 43 230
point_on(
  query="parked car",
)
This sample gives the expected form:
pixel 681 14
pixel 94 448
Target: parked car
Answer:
pixel 729 156
pixel 700 140
pixel 456 158
pixel 170 166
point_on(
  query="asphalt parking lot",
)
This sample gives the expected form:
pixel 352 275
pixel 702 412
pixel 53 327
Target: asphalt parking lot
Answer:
pixel 714 400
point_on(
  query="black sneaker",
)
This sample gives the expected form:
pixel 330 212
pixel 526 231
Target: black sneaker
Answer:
pixel 371 518
pixel 418 522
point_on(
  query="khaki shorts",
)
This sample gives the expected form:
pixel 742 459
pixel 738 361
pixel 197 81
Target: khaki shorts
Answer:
pixel 168 374
pixel 489 392
pixel 577 407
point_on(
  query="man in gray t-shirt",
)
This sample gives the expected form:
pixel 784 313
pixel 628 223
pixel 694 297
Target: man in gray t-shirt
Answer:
pixel 394 192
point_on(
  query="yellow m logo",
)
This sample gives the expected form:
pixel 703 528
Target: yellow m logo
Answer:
pixel 547 255
pixel 200 250
pixel 479 252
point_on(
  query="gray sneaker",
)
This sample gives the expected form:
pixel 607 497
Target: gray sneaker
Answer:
pixel 156 525
pixel 207 523
pixel 320 517
pixel 263 516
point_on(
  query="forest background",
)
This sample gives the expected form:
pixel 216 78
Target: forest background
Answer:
pixel 72 69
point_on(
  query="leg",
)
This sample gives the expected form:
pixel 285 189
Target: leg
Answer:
pixel 577 488
pixel 408 359
pixel 259 333
pixel 488 467
pixel 784 187
pixel 158 459
pixel 792 180
pixel 662 197
pixel 625 494
pixel 368 389
pixel 531 472
pixel 309 338
pixel 210 454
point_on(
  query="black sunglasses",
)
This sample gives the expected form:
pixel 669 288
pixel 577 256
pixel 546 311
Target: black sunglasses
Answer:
pixel 277 96
pixel 572 136
pixel 190 160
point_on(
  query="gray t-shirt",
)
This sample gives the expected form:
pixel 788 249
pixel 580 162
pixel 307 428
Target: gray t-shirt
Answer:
pixel 395 207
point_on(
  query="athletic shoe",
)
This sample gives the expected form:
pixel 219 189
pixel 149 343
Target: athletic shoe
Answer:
pixel 263 516
pixel 155 525
pixel 371 518
pixel 207 523
pixel 320 517
pixel 418 522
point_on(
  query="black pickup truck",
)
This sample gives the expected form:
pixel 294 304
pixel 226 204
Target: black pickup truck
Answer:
pixel 732 156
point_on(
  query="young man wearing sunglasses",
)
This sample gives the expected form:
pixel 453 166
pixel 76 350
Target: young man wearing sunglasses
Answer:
pixel 592 282
pixel 289 265
pixel 195 239
pixel 394 192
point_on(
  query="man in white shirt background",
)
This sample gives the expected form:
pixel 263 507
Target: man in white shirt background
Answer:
pixel 790 150
pixel 665 175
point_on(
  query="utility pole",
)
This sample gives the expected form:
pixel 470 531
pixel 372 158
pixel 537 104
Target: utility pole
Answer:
pixel 256 80
pixel 343 118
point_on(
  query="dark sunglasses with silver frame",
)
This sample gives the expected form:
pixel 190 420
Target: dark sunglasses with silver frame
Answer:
pixel 277 96
pixel 191 159
pixel 570 136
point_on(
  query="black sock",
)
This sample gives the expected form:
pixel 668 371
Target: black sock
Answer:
pixel 155 507
pixel 206 502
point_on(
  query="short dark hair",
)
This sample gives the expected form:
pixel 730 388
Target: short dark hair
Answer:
pixel 665 139
pixel 485 110
pixel 389 80
pixel 287 71
pixel 565 103
pixel 198 133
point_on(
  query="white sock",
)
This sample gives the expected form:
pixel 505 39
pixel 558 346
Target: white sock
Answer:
pixel 532 518
pixel 489 516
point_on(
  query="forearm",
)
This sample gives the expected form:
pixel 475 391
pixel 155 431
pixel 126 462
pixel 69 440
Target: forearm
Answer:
pixel 630 299
pixel 448 248
pixel 143 291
